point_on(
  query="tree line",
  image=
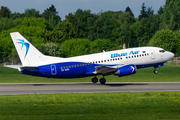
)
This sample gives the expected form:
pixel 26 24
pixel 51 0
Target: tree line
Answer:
pixel 83 32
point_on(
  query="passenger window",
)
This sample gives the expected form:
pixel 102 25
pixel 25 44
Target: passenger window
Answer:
pixel 108 60
pixel 147 53
pixel 61 67
pixel 135 56
pixel 104 60
pixel 69 66
pixel 99 61
pixel 82 64
pixel 129 57
pixel 139 55
pixel 66 66
pixel 96 62
pixel 118 59
pixel 132 56
pixel 77 65
pixel 142 54
pixel 74 65
pixel 126 57
pixel 115 58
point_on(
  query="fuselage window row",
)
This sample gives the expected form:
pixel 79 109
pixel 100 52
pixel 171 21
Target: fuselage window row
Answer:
pixel 138 55
pixel 108 60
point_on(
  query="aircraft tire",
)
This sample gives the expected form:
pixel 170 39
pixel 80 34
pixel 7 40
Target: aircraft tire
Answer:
pixel 156 71
pixel 102 80
pixel 94 80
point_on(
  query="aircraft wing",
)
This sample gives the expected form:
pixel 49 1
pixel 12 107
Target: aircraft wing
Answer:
pixel 105 70
pixel 120 70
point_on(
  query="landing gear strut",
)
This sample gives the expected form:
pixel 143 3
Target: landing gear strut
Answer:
pixel 94 80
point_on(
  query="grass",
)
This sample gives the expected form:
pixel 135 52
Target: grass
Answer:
pixel 92 106
pixel 166 74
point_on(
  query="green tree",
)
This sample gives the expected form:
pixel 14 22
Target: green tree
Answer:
pixel 72 18
pixel 160 11
pixel 121 32
pixel 171 16
pixel 51 15
pixel 51 49
pixel 166 39
pixel 149 11
pixel 75 47
pixel 129 10
pixel 143 13
pixel 17 15
pixel 7 23
pixel 126 20
pixel 31 13
pixel 83 21
pixel 33 29
pixel 144 30
pixel 101 45
pixel 103 26
pixel 63 31
pixel 4 12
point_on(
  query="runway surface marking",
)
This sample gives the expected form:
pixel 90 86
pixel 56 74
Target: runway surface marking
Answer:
pixel 42 88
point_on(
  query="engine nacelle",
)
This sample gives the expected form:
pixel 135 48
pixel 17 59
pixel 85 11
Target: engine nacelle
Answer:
pixel 126 70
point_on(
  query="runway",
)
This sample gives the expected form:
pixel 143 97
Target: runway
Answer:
pixel 49 88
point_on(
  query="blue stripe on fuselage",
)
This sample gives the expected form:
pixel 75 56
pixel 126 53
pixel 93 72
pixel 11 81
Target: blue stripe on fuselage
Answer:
pixel 69 69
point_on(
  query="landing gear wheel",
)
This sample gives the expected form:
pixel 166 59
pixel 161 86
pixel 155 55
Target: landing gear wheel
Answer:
pixel 102 80
pixel 156 71
pixel 94 80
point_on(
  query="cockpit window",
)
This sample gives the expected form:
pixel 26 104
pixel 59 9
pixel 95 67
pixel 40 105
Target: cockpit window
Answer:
pixel 161 51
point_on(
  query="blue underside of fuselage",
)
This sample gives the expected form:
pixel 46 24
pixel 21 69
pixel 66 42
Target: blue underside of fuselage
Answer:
pixel 69 69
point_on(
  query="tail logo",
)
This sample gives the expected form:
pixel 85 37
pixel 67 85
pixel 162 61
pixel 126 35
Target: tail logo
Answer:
pixel 24 44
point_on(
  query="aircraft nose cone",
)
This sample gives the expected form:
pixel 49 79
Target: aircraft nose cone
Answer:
pixel 171 55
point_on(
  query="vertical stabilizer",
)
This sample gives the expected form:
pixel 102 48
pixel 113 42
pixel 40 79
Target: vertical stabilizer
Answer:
pixel 28 54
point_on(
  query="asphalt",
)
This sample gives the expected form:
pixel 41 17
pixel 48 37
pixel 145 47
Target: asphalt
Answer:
pixel 50 88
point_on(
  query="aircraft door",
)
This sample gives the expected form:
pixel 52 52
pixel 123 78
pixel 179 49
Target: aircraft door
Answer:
pixel 152 53
pixel 53 70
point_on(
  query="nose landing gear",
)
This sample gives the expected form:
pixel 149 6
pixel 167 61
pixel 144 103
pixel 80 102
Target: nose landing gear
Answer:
pixel 156 71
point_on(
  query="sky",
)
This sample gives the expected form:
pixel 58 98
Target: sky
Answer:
pixel 70 6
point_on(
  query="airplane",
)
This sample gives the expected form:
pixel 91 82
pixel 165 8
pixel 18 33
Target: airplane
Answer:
pixel 119 62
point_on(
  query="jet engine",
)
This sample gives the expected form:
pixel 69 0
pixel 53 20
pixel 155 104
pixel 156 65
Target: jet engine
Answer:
pixel 126 70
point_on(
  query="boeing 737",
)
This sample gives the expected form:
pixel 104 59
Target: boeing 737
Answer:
pixel 119 62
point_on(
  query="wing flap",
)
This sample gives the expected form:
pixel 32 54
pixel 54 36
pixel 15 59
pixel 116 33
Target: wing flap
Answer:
pixel 105 70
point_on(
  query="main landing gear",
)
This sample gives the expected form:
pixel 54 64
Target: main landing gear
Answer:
pixel 94 80
pixel 102 80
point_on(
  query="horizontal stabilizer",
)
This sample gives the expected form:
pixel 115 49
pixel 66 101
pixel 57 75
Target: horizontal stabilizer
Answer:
pixel 13 66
